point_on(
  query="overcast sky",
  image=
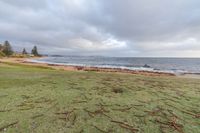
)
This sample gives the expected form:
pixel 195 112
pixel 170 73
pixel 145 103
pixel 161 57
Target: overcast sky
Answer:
pixel 103 27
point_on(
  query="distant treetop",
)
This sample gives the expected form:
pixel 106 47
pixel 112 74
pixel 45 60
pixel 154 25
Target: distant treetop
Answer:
pixel 24 51
pixel 35 51
pixel 7 49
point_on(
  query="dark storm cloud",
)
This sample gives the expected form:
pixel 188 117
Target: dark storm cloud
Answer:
pixel 102 27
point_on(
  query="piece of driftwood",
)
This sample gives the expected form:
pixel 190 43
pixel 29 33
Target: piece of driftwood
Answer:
pixel 172 124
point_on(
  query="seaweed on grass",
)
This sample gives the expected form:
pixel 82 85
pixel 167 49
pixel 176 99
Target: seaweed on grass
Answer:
pixel 8 125
pixel 126 126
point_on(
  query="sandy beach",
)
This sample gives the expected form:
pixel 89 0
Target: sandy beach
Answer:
pixel 26 61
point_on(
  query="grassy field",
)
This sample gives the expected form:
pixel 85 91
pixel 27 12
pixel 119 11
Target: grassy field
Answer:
pixel 40 100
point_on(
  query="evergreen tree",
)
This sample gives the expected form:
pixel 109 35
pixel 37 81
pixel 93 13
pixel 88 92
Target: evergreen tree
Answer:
pixel 24 51
pixel 1 47
pixel 34 51
pixel 7 49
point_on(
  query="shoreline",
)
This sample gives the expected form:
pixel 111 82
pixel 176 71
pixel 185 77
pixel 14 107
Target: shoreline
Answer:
pixel 26 61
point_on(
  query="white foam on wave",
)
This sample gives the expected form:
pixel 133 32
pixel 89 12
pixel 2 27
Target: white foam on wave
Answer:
pixel 104 66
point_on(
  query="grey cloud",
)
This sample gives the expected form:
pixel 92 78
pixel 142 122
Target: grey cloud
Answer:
pixel 153 20
pixel 102 27
pixel 21 4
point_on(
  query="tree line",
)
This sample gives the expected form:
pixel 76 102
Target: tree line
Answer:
pixel 6 50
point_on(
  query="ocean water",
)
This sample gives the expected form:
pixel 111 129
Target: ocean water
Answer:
pixel 171 65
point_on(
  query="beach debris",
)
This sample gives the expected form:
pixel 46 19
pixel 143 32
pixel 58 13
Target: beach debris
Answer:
pixel 154 112
pixel 100 111
pixel 79 101
pixel 65 115
pixel 6 110
pixel 166 118
pixel 26 106
pixel 190 113
pixel 123 109
pixel 79 67
pixel 36 116
pixel 126 126
pixel 97 112
pixel 74 119
pixel 101 130
pixel 86 97
pixel 68 116
pixel 197 115
pixel 117 90
pixel 172 124
pixel 4 128
pixel 25 96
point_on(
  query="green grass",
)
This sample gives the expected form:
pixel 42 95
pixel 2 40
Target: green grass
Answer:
pixel 2 54
pixel 42 100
